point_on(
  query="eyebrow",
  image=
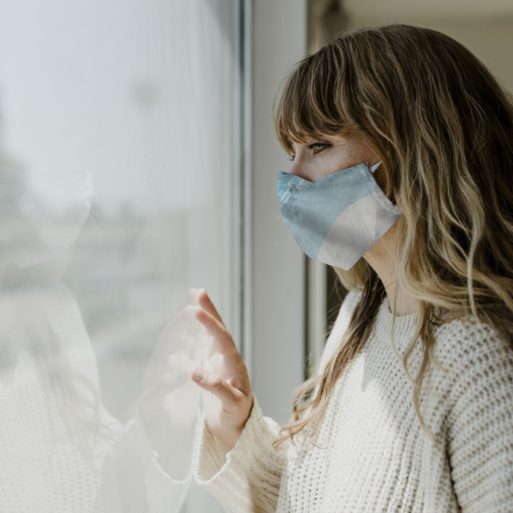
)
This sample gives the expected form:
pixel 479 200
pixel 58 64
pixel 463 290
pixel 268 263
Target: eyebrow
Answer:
pixel 320 140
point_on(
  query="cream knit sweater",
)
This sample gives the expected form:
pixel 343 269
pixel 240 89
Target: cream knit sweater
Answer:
pixel 43 467
pixel 374 456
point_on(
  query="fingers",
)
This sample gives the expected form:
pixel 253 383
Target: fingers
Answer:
pixel 223 341
pixel 218 386
pixel 205 301
pixel 237 368
pixel 229 364
pixel 216 328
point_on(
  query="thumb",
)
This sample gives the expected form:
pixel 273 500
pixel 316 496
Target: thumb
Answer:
pixel 217 385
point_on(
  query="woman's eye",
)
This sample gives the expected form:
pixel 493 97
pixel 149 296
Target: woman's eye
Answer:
pixel 317 147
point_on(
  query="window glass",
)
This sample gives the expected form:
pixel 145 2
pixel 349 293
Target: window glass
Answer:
pixel 118 183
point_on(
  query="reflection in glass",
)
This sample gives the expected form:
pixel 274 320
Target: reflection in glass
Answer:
pixel 116 189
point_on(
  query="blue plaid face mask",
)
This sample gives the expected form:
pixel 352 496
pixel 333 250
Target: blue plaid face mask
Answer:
pixel 339 217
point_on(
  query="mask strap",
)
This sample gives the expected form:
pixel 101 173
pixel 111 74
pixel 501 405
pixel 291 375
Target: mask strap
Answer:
pixel 375 166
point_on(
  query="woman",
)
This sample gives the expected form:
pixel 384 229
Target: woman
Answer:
pixel 61 449
pixel 401 144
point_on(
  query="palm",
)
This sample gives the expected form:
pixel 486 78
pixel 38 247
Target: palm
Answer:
pixel 227 366
pixel 227 396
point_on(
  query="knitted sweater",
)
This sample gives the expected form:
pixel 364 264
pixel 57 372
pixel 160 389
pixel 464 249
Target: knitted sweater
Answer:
pixel 372 454
pixel 45 466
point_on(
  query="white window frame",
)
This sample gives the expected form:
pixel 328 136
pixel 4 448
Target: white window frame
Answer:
pixel 274 334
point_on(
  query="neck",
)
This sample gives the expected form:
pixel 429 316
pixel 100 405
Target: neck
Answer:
pixel 382 257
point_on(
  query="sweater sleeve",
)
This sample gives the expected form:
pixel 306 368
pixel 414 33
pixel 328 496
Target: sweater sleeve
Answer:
pixel 132 477
pixel 142 482
pixel 247 478
pixel 480 434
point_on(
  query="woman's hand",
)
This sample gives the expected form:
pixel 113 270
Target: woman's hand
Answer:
pixel 230 398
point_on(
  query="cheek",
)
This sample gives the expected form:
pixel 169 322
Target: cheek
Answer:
pixel 338 161
pixel 327 166
pixel 357 156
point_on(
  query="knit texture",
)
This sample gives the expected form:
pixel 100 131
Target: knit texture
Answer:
pixel 372 454
pixel 49 464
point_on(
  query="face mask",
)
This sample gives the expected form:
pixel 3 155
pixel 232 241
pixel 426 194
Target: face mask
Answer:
pixel 339 217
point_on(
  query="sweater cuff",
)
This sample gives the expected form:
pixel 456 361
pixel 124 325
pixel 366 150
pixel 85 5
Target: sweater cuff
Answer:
pixel 150 456
pixel 142 482
pixel 252 463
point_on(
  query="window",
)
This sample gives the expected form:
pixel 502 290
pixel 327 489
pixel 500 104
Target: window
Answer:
pixel 120 165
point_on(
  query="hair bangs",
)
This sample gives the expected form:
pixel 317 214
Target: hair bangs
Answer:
pixel 305 110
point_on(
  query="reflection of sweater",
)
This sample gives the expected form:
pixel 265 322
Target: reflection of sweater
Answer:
pixel 373 454
pixel 46 468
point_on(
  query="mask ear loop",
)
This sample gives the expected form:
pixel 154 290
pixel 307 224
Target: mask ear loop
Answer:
pixel 375 166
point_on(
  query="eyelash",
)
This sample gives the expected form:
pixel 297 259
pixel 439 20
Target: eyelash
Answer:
pixel 311 146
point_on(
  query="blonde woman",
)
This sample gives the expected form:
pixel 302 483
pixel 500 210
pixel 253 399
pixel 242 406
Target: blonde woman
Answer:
pixel 401 178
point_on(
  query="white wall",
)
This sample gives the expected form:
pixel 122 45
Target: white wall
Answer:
pixel 487 31
pixel 277 336
pixel 489 40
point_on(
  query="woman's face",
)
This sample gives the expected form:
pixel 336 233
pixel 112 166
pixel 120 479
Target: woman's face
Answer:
pixel 329 154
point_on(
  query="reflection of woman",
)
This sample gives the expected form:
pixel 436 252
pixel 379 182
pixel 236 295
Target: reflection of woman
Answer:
pixel 61 451
pixel 402 153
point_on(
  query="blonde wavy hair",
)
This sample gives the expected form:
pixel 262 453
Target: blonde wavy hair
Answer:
pixel 443 129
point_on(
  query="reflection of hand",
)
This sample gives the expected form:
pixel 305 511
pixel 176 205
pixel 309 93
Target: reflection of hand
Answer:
pixel 169 397
pixel 229 399
pixel 169 401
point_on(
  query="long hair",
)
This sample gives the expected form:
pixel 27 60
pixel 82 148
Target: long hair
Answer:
pixel 443 129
